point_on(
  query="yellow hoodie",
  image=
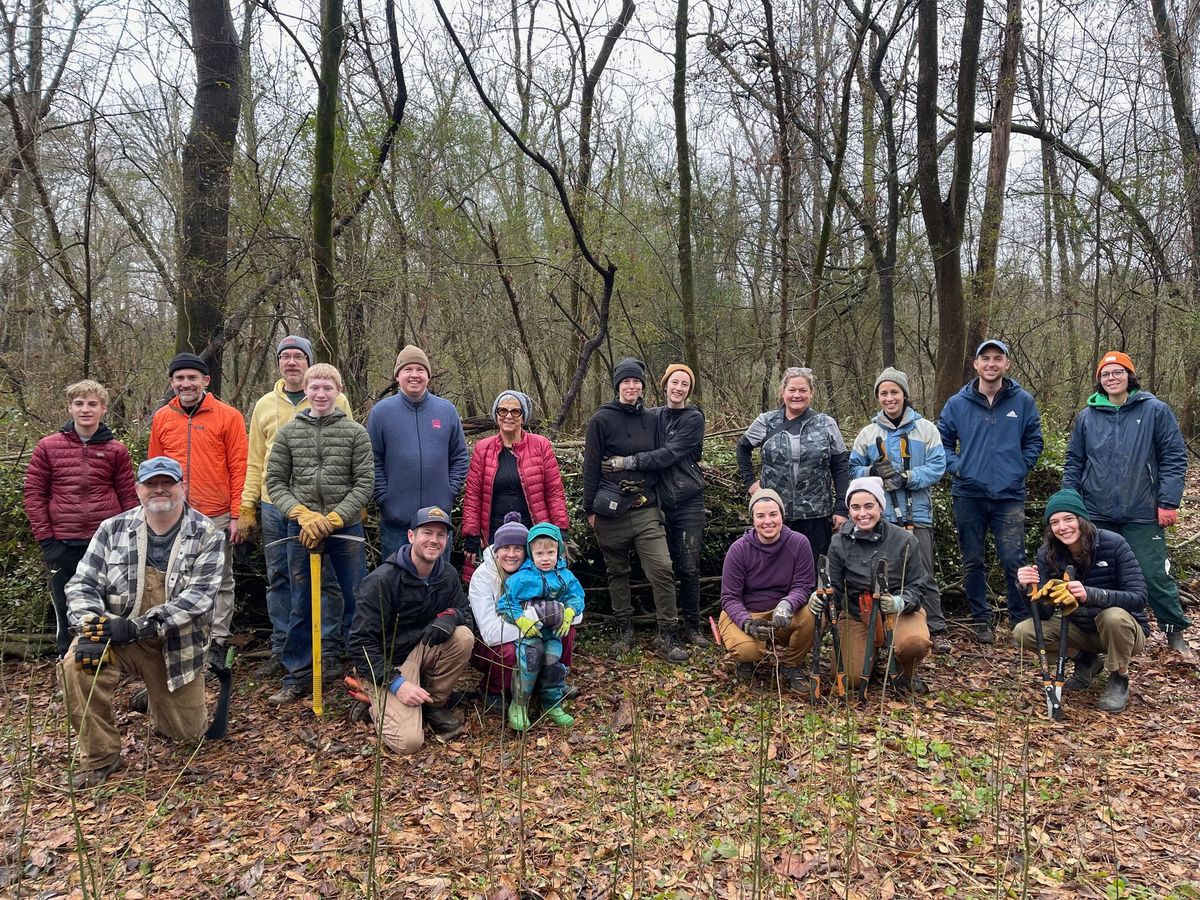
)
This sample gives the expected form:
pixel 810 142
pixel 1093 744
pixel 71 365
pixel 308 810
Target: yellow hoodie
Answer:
pixel 271 412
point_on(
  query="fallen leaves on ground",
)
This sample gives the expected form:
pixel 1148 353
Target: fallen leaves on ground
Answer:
pixel 673 783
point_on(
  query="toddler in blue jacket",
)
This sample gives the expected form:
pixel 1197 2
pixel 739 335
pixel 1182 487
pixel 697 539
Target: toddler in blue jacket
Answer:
pixel 542 598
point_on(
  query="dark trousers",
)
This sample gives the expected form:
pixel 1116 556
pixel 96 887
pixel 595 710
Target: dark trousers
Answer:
pixel 818 531
pixel 1149 545
pixel 685 537
pixel 974 517
pixel 62 570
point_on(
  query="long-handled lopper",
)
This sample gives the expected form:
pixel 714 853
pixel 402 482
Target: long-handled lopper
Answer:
pixel 906 456
pixel 825 589
pixel 314 578
pixel 1052 686
pixel 220 722
pixel 877 628
pixel 893 496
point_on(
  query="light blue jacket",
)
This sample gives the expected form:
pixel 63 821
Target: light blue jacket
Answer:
pixel 530 584
pixel 925 466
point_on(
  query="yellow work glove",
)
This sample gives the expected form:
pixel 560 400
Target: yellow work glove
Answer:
pixel 568 618
pixel 1056 593
pixel 302 514
pixel 527 626
pixel 310 538
pixel 248 517
pixel 336 521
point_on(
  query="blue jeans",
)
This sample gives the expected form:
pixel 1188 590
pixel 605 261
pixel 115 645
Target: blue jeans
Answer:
pixel 348 560
pixel 974 518
pixel 394 535
pixel 279 579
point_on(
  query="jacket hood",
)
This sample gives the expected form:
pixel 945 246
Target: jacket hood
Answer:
pixel 403 559
pixel 103 433
pixel 550 530
pixel 775 547
pixel 1100 399
pixel 852 531
pixel 909 416
pixel 626 407
pixel 306 416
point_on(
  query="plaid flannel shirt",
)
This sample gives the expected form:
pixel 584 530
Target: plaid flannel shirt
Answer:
pixel 109 582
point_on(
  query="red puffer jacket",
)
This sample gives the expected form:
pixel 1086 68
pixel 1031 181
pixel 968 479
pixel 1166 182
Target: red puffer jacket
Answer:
pixel 540 479
pixel 71 487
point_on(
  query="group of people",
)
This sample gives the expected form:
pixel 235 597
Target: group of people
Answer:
pixel 141 572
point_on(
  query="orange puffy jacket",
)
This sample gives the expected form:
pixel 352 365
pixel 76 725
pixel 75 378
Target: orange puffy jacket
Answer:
pixel 211 445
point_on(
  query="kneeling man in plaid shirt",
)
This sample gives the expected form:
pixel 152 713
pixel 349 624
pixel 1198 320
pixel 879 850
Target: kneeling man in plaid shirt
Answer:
pixel 141 604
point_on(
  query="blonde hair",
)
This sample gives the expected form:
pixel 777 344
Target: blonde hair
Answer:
pixel 323 370
pixel 797 372
pixel 87 388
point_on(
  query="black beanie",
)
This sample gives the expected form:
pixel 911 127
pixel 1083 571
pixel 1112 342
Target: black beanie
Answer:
pixel 629 367
pixel 187 361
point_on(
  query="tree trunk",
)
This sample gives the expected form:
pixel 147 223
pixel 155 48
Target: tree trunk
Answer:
pixel 204 198
pixel 784 223
pixel 687 290
pixel 944 219
pixel 332 35
pixel 984 282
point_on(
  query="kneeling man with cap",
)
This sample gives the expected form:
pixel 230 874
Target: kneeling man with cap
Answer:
pixel 412 636
pixel 141 603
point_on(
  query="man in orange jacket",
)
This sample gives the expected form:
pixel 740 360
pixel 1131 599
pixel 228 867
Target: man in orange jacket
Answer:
pixel 208 439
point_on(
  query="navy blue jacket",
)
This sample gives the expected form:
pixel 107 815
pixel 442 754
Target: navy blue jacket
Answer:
pixel 421 455
pixel 1113 579
pixel 1127 461
pixel 990 449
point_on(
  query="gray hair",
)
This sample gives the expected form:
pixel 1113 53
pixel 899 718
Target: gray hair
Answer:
pixel 797 372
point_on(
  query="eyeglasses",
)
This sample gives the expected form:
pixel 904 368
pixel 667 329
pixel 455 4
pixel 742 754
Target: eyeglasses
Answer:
pixel 1111 374
pixel 508 414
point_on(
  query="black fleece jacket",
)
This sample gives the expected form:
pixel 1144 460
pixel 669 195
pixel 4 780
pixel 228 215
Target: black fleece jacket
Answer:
pixel 618 429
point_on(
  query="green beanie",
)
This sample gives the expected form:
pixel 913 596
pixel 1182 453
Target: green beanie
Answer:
pixel 1066 500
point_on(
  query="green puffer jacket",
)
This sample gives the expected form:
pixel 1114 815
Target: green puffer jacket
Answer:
pixel 324 463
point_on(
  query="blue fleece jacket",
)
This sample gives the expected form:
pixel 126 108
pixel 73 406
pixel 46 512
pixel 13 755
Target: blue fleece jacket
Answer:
pixel 990 449
pixel 421 455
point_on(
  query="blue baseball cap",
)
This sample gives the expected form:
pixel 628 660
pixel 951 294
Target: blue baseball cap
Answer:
pixel 159 465
pixel 992 342
pixel 431 515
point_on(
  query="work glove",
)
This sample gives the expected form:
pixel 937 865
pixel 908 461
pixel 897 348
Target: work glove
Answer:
pixel 759 629
pixel 317 529
pixel 892 604
pixel 247 517
pixel 782 616
pixel 895 482
pixel 439 630
pixel 883 468
pixel 617 463
pixel 335 521
pixel 1056 593
pixel 550 613
pixel 302 514
pixel 527 626
pixel 108 628
pixel 52 551
pixel 816 603
pixel 309 538
pixel 90 655
pixel 472 543
pixel 568 618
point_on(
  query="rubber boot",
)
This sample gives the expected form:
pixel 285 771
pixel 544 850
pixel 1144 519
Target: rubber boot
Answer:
pixel 693 634
pixel 560 716
pixel 1087 667
pixel 624 642
pixel 744 673
pixel 1178 643
pixel 518 716
pixel 667 646
pixel 1116 693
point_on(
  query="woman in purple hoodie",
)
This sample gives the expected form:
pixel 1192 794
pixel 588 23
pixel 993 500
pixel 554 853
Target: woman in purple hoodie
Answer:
pixel 766 581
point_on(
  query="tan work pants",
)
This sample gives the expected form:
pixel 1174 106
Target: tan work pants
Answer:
pixel 793 645
pixel 1118 637
pixel 910 644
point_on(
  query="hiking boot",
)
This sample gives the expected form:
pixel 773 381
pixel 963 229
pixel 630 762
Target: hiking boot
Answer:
pixel 360 711
pixel 902 684
pixel 1177 642
pixel 624 642
pixel 140 701
pixel 984 633
pixel 269 669
pixel 493 703
pixel 518 717
pixel 666 644
pixel 92 777
pixel 794 678
pixel 1116 693
pixel 289 693
pixel 560 716
pixel 941 642
pixel 744 673
pixel 446 725
pixel 332 670
pixel 1087 667
pixel 693 635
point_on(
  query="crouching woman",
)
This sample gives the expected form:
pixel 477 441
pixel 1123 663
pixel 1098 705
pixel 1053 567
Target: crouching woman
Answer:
pixel 1110 619
pixel 854 552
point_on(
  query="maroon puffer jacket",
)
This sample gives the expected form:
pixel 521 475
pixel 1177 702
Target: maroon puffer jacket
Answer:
pixel 540 479
pixel 71 487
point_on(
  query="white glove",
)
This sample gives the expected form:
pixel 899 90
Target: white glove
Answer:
pixel 816 604
pixel 782 617
pixel 892 604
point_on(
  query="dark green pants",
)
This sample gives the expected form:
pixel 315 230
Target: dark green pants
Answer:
pixel 1149 545
pixel 640 530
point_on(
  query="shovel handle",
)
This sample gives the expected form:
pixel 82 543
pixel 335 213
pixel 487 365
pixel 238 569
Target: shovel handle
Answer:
pixel 314 578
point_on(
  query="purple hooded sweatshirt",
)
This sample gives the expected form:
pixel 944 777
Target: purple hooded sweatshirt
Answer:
pixel 756 576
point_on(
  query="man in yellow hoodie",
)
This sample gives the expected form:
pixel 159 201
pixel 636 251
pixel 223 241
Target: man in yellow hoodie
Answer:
pixel 272 411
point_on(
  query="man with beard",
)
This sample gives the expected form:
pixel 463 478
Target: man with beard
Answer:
pixel 141 603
